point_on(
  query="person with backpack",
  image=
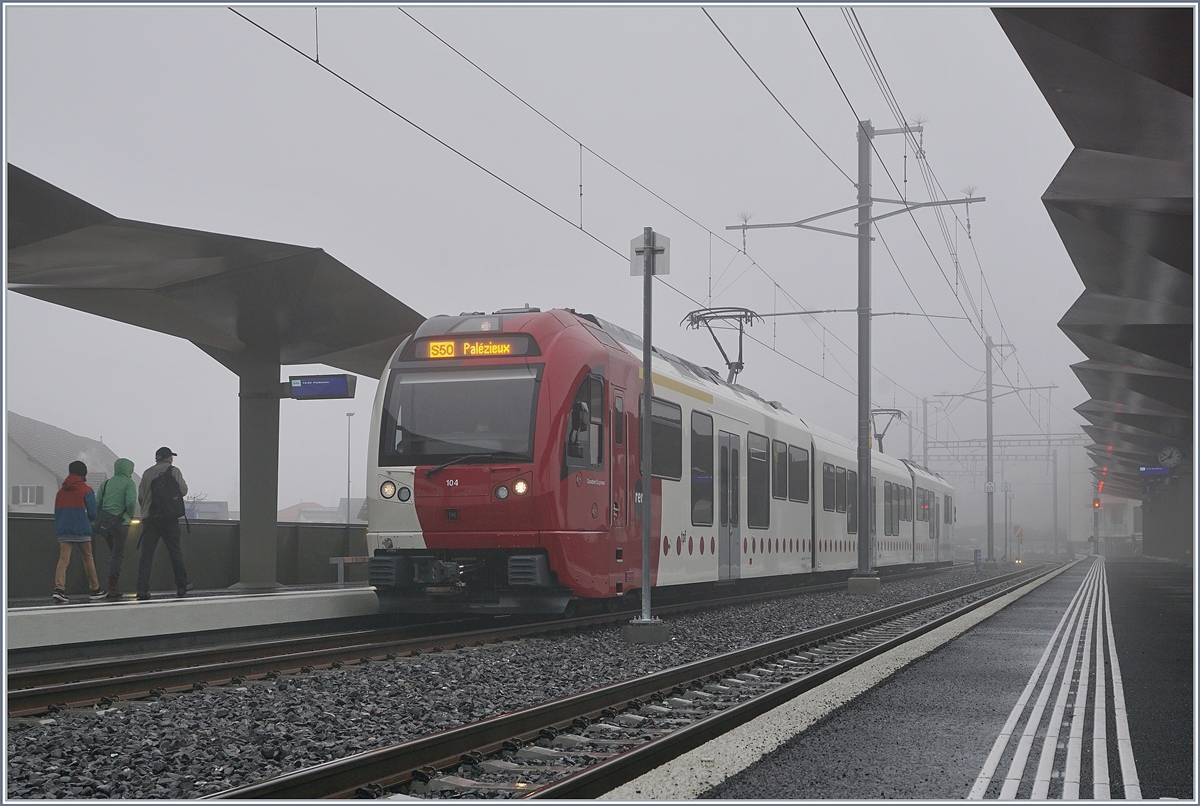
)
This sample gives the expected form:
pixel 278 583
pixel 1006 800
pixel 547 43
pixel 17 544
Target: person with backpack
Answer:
pixel 160 496
pixel 117 502
pixel 74 509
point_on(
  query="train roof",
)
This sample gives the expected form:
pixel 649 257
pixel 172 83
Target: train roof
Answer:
pixel 920 470
pixel 710 377
pixel 685 368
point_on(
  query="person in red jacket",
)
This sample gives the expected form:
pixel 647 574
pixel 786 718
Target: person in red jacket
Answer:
pixel 74 511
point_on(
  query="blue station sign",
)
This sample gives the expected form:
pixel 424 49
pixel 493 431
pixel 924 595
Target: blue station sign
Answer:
pixel 1155 470
pixel 322 387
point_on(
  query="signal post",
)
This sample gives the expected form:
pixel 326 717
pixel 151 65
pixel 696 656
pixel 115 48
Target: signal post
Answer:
pixel 649 255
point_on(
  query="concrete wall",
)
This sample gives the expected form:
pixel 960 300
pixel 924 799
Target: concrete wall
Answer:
pixel 210 552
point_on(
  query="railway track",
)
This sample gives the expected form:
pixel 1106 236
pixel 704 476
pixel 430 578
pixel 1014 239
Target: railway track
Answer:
pixel 57 687
pixel 583 745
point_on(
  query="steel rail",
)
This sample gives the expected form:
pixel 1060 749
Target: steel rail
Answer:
pixel 388 766
pixel 99 668
pixel 608 774
pixel 33 691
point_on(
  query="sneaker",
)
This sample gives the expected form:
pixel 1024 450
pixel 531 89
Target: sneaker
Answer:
pixel 113 595
pixel 143 597
pixel 60 597
pixel 181 592
pixel 97 594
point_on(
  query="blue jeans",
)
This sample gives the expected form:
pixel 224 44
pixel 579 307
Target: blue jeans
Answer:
pixel 152 530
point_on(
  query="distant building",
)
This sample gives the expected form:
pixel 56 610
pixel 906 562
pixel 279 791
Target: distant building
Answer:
pixel 292 513
pixel 208 510
pixel 309 512
pixel 38 456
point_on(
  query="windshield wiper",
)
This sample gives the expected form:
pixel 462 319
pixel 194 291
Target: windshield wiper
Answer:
pixel 465 457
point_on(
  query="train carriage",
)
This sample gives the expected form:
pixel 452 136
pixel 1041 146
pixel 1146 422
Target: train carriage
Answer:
pixel 505 474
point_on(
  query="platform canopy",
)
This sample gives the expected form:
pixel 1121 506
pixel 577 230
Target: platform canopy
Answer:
pixel 1120 81
pixel 252 305
pixel 228 295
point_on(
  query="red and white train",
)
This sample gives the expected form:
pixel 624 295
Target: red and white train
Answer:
pixel 505 475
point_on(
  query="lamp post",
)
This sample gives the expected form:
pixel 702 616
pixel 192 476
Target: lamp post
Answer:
pixel 349 414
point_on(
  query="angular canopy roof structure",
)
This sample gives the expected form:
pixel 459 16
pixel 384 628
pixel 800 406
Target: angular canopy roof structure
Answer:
pixel 1120 81
pixel 227 295
pixel 252 305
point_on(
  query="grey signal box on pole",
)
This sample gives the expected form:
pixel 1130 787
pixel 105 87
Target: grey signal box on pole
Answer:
pixel 637 255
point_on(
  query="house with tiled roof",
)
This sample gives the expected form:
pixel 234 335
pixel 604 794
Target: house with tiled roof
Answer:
pixel 38 457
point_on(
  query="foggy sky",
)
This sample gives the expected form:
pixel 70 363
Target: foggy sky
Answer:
pixel 192 117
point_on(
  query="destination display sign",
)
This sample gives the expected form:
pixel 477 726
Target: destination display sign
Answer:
pixel 498 346
pixel 321 387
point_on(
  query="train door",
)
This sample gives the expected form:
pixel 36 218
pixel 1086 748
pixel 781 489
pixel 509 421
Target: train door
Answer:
pixel 729 533
pixel 621 520
pixel 937 525
pixel 618 481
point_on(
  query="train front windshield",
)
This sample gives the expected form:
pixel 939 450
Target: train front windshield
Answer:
pixel 439 416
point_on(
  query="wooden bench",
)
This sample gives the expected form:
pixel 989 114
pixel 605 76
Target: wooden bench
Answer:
pixel 341 562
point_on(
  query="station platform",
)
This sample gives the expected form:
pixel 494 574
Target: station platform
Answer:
pixel 965 711
pixel 34 625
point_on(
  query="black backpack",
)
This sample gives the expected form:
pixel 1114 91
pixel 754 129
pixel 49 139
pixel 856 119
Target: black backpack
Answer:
pixel 166 499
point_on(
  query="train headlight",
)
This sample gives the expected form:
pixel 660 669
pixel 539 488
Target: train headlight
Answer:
pixel 387 489
pixel 502 492
pixel 403 494
pixel 520 487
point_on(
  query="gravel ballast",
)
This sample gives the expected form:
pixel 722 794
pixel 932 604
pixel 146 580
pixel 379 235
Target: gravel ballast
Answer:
pixel 186 745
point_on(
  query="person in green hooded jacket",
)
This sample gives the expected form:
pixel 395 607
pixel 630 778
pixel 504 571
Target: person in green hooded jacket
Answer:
pixel 117 502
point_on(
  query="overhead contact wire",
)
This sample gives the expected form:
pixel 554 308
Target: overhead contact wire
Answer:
pixel 429 134
pixel 583 146
pixel 774 96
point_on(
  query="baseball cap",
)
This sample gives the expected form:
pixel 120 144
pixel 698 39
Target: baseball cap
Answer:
pixel 163 453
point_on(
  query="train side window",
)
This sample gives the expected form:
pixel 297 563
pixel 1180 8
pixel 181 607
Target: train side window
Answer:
pixel 758 481
pixel 888 506
pixel 947 516
pixel 798 474
pixel 906 504
pixel 702 469
pixel 779 470
pixel 828 499
pixel 618 424
pixel 922 505
pixel 839 489
pixel 851 502
pixel 585 425
pixel 666 433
